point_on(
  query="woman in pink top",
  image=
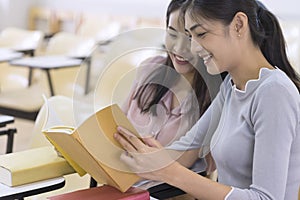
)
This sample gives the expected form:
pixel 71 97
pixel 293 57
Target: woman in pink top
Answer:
pixel 169 94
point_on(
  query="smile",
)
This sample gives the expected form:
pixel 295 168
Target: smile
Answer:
pixel 206 58
pixel 180 60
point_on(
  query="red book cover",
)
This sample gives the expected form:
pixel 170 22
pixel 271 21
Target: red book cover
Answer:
pixel 105 193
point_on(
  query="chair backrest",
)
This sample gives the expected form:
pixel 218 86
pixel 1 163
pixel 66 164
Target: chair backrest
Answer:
pixel 57 111
pixel 17 38
pixel 101 28
pixel 64 43
pixel 43 19
pixel 115 81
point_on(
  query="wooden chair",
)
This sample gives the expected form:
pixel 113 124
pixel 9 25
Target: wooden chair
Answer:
pixel 102 28
pixel 21 39
pixel 43 19
pixel 26 102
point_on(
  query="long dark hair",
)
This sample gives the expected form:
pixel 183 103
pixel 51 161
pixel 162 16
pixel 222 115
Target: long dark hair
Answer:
pixel 150 94
pixel 265 30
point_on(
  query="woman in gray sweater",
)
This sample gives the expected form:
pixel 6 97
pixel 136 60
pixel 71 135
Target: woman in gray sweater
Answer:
pixel 252 127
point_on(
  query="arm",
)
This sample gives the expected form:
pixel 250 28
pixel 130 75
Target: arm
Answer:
pixel 149 161
pixel 185 158
pixel 274 135
pixel 193 184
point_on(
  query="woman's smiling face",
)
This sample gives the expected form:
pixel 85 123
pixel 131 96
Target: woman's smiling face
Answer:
pixel 178 45
pixel 212 41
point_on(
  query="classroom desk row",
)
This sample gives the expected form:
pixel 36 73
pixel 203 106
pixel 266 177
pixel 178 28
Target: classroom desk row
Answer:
pixel 46 63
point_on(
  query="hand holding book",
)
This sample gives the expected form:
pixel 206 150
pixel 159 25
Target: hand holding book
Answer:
pixel 142 156
pixel 91 147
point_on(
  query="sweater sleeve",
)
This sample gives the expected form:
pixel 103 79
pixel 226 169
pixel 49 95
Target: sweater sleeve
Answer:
pixel 275 119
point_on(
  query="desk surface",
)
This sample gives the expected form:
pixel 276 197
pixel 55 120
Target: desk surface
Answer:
pixel 8 55
pixel 6 119
pixel 47 62
pixel 31 189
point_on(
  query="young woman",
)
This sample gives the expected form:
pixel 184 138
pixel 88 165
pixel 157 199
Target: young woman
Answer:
pixel 170 94
pixel 254 120
pixel 155 104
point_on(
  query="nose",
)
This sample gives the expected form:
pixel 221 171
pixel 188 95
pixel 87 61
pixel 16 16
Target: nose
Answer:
pixel 182 45
pixel 196 47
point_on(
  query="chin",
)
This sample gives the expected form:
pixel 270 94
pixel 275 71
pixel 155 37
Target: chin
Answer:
pixel 212 68
pixel 213 71
pixel 184 69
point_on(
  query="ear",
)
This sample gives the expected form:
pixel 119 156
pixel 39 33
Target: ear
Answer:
pixel 239 24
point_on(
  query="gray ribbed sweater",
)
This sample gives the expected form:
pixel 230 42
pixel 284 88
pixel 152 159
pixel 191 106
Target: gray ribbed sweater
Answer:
pixel 254 136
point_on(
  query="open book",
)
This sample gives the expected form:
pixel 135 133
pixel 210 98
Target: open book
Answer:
pixel 91 147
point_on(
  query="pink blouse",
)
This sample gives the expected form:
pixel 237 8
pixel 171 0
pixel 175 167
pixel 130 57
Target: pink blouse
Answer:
pixel 169 124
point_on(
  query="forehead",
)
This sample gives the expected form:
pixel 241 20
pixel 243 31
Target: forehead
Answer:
pixel 174 20
pixel 192 23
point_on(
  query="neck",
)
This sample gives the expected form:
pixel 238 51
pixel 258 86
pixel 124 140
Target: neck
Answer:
pixel 189 77
pixel 182 87
pixel 249 68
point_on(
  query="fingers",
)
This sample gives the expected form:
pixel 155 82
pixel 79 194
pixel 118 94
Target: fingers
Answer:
pixel 134 141
pixel 125 143
pixel 152 142
pixel 127 158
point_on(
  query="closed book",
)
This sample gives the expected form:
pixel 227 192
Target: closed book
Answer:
pixel 32 165
pixel 91 147
pixel 104 192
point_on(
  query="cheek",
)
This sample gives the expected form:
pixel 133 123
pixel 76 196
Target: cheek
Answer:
pixel 169 43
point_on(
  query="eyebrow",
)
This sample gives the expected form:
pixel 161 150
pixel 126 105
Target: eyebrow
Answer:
pixel 195 26
pixel 170 27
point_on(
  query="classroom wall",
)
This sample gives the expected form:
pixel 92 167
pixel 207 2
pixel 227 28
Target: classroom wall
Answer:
pixel 14 12
pixel 147 8
pixel 287 10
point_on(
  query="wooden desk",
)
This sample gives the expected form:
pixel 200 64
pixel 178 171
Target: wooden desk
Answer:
pixel 8 55
pixel 47 63
pixel 19 192
pixel 4 120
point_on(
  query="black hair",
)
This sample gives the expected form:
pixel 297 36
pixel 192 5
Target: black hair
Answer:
pixel 265 29
pixel 151 93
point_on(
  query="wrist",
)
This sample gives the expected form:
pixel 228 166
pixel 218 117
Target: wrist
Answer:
pixel 168 173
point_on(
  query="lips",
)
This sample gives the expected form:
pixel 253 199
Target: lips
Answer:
pixel 180 60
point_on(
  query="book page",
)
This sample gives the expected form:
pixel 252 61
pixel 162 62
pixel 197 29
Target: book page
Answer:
pixel 53 118
pixel 96 134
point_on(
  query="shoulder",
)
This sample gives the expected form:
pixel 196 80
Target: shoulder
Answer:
pixel 278 93
pixel 151 64
pixel 148 66
pixel 279 85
